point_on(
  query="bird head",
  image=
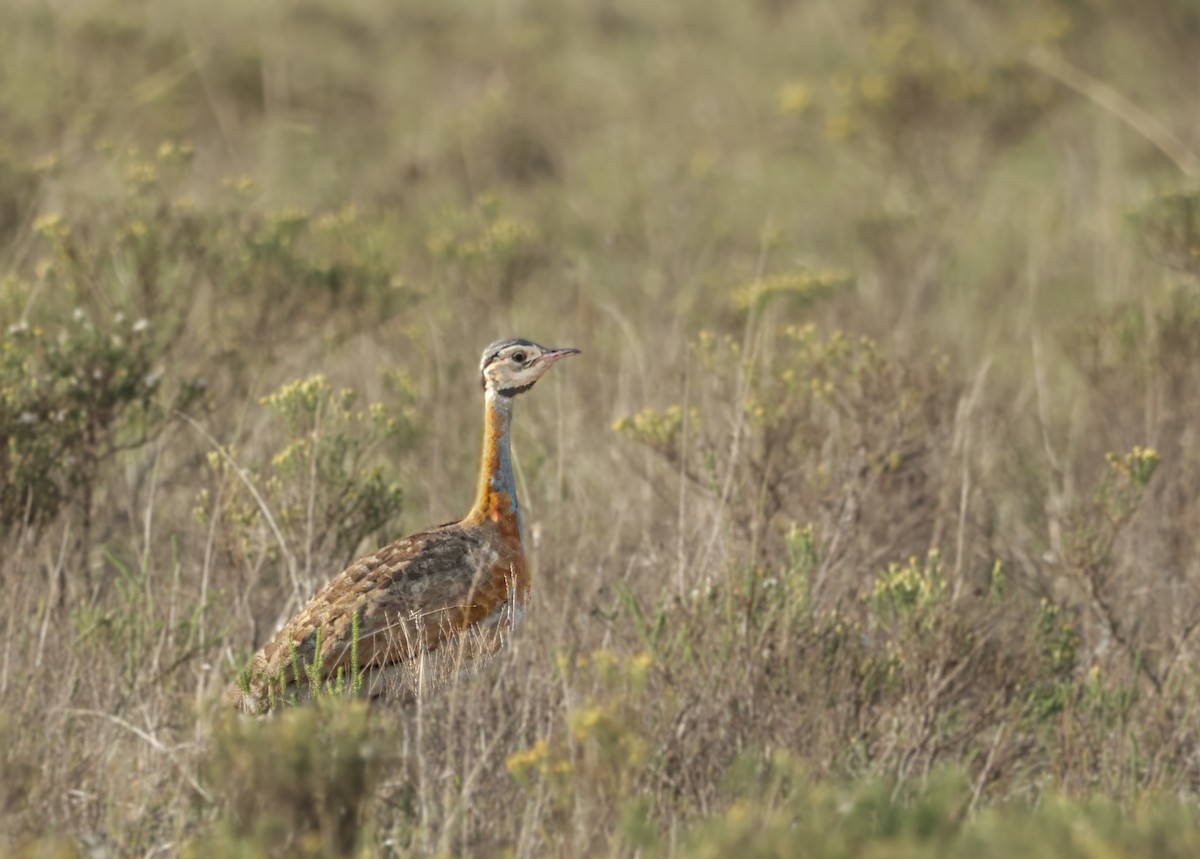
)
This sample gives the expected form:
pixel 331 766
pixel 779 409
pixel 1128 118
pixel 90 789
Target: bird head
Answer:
pixel 510 367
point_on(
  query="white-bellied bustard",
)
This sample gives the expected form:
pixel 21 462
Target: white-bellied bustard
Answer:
pixel 423 592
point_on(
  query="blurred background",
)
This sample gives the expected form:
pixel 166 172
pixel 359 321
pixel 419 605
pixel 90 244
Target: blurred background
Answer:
pixel 874 486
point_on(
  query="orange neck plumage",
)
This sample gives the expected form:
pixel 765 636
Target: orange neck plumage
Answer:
pixel 496 499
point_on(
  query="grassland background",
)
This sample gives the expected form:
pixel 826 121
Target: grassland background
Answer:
pixel 865 525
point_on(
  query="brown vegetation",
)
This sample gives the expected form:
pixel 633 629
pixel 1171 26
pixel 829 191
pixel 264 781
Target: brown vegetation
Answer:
pixel 868 517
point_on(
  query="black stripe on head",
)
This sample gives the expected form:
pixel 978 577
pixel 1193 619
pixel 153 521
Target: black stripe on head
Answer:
pixel 492 352
pixel 512 392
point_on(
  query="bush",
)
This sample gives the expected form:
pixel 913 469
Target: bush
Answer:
pixel 299 784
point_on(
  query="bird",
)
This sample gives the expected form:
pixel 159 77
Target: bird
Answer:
pixel 462 583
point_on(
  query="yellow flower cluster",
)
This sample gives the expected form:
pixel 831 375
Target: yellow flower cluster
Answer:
pixel 602 745
pixel 289 217
pixel 501 237
pixel 801 287
pixel 904 587
pixel 1138 465
pixel 52 227
pixel 656 429
pixel 331 222
pixel 300 395
pixel 795 97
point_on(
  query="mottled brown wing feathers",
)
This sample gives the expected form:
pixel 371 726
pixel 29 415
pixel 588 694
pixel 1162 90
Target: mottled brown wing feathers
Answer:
pixel 409 596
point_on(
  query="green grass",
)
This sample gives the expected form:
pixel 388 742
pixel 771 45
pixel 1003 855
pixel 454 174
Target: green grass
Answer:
pixel 864 525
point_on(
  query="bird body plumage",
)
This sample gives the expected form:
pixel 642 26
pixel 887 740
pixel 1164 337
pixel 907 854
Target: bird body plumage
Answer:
pixel 415 595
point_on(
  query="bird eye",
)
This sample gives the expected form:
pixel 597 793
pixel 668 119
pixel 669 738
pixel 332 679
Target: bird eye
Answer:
pixel 519 357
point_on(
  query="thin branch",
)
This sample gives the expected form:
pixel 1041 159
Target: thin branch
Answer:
pixel 150 740
pixel 1104 96
pixel 262 504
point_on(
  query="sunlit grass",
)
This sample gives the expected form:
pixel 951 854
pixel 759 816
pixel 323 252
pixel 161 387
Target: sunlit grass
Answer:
pixel 865 522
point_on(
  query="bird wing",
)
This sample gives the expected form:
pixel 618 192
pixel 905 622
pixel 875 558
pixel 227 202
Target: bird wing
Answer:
pixel 409 597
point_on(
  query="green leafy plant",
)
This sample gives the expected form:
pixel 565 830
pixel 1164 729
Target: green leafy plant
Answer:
pixel 71 396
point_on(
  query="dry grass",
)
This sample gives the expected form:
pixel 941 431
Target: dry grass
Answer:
pixel 866 518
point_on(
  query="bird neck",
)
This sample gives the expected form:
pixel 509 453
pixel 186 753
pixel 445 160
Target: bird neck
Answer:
pixel 497 496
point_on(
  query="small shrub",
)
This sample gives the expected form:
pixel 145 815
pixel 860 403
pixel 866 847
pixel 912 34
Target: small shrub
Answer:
pixel 298 784
pixel 810 424
pixel 919 83
pixel 1168 226
pixel 484 251
pixel 71 395
pixel 324 490
pixel 796 289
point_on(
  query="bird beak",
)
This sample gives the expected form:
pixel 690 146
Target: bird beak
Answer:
pixel 552 355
